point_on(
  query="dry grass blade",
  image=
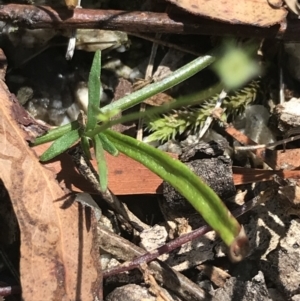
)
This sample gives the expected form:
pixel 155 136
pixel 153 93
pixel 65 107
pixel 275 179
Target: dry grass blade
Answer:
pixel 59 252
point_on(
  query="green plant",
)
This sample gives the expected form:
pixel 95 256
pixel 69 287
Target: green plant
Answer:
pixel 95 130
pixel 66 136
pixel 190 119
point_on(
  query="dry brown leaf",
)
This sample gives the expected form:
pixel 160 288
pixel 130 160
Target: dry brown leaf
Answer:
pixel 59 252
pixel 159 99
pixel 253 12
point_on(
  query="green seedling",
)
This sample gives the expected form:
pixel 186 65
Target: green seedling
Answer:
pixel 101 162
pixel 56 133
pixel 95 131
pixel 67 135
pixel 60 145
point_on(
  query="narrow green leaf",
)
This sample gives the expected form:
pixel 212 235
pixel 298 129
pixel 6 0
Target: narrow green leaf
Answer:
pixel 155 111
pixel 107 145
pixel 85 145
pixel 175 78
pixel 94 92
pixel 56 133
pixel 60 145
pixel 199 194
pixel 101 162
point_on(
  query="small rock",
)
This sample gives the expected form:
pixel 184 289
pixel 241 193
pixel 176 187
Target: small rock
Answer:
pixel 296 298
pixel 133 292
pixel 193 253
pixel 288 114
pixel 130 292
pixel 285 260
pixel 275 295
pixel 236 290
pixel 105 259
pixel 153 238
pixel 133 276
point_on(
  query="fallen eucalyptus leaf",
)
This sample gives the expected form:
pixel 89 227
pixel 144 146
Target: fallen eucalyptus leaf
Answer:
pixel 252 12
pixel 59 255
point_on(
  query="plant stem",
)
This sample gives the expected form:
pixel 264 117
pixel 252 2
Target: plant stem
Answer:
pixel 56 133
pixel 200 196
pixel 176 243
pixel 181 102
pixel 175 78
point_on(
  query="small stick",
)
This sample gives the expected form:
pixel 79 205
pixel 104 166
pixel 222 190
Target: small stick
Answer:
pixel 209 119
pixel 281 81
pixel 71 45
pixel 165 43
pixel 270 145
pixel 10 290
pixel 242 138
pixel 176 243
pixel 72 40
pixel 154 288
pixel 30 16
pixel 86 169
pixel 148 75
pixel 125 250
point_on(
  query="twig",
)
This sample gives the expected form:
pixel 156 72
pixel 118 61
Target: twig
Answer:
pixel 86 169
pixel 165 43
pixel 280 71
pixel 148 75
pixel 243 139
pixel 124 250
pixel 154 288
pixel 270 145
pixel 10 290
pixel 72 39
pixel 177 22
pixel 174 244
pixel 209 119
pixel 71 45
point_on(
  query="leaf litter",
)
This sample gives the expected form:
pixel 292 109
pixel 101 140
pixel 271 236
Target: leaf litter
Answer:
pixel 274 224
pixel 59 254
